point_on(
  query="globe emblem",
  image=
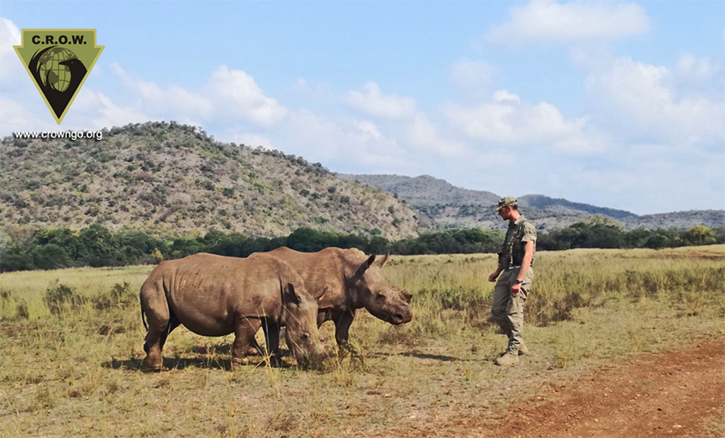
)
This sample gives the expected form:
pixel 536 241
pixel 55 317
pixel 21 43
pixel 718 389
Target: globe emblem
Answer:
pixel 52 73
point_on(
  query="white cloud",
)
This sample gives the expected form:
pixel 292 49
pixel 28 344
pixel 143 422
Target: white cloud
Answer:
pixel 346 145
pixel 100 111
pixel 11 69
pixel 426 136
pixel 472 75
pixel 239 95
pixel 14 117
pixel 373 102
pixel 368 128
pixel 506 120
pixel 642 98
pixel 503 96
pixel 166 101
pixel 646 184
pixel 229 95
pixel 546 21
pixel 693 68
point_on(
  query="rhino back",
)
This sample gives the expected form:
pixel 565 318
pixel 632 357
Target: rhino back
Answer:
pixel 208 293
pixel 323 272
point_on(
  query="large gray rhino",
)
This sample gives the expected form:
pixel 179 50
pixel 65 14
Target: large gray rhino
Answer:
pixel 344 280
pixel 214 296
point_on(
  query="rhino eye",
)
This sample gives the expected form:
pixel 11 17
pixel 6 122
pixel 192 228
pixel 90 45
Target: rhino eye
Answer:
pixel 380 297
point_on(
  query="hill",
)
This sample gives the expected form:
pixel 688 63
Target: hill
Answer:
pixel 424 190
pixel 175 179
pixel 450 206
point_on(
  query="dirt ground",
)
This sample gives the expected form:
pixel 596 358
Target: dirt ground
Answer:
pixel 674 394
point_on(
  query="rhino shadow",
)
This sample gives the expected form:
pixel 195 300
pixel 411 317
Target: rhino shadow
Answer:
pixel 169 364
pixel 181 363
pixel 417 355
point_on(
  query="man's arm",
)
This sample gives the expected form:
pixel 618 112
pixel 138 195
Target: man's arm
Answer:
pixel 494 275
pixel 526 262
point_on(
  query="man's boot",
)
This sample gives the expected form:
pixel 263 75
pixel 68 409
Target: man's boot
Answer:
pixel 523 349
pixel 510 358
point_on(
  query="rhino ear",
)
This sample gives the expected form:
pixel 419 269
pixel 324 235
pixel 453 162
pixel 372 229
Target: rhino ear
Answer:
pixel 380 263
pixel 290 295
pixel 364 267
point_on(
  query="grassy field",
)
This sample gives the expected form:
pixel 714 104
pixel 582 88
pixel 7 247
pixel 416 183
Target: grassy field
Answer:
pixel 71 343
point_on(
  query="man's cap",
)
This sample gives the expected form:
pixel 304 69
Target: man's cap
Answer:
pixel 506 202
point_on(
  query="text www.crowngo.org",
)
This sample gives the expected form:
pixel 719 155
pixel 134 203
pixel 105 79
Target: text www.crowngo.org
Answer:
pixel 51 135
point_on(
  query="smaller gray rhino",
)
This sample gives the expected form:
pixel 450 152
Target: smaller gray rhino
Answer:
pixel 214 296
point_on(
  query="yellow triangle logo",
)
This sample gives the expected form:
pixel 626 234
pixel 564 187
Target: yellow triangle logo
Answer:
pixel 58 61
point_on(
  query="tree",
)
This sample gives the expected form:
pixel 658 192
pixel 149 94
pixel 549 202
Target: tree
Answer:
pixel 50 256
pixel 699 235
pixel 657 241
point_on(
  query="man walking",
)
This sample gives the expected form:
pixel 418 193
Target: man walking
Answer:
pixel 515 263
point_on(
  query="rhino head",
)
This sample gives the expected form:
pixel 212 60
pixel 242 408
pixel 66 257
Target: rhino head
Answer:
pixel 300 319
pixel 369 288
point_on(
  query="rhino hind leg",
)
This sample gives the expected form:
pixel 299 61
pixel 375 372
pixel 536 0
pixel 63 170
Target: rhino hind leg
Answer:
pixel 173 323
pixel 156 309
pixel 244 334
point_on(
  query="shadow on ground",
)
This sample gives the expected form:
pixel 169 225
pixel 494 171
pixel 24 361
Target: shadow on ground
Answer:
pixel 180 363
pixel 418 355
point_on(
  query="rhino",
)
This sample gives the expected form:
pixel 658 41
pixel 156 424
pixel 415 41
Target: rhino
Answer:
pixel 213 295
pixel 344 280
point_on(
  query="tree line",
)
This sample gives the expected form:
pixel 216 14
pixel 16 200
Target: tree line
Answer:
pixel 97 246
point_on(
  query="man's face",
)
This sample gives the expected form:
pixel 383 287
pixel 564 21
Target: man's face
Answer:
pixel 505 212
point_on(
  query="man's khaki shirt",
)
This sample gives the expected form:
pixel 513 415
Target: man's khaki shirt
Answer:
pixel 518 233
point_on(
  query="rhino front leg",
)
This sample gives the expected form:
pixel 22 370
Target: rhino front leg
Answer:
pixel 271 334
pixel 343 321
pixel 243 337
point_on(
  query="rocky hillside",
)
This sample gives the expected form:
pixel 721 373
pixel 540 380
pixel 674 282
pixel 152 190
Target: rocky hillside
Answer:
pixel 424 190
pixel 450 206
pixel 175 179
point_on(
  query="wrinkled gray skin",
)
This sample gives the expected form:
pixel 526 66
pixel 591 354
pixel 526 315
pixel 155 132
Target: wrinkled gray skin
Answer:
pixel 214 296
pixel 344 280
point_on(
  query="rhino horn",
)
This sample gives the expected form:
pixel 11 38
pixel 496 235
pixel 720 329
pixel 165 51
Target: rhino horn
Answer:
pixel 380 263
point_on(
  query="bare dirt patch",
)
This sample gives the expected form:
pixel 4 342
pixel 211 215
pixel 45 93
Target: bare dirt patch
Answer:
pixel 674 394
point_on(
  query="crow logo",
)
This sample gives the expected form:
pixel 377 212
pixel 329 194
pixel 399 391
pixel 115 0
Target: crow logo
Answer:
pixel 59 61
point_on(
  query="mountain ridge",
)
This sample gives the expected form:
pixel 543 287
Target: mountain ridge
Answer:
pixel 451 206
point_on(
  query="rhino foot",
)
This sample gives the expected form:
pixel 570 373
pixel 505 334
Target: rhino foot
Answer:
pixel 238 362
pixel 148 366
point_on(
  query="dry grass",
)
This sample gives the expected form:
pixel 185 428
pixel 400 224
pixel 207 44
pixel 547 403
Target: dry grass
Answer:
pixel 77 373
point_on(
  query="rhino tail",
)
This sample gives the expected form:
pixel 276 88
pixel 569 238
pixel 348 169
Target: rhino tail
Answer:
pixel 143 319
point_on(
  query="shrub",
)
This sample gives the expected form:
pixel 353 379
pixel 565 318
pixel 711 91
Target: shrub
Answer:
pixel 120 295
pixel 60 299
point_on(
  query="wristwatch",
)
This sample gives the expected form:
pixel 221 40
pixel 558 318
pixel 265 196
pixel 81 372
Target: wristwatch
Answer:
pixel 519 281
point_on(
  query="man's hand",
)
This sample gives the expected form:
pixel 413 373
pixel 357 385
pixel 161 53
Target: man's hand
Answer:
pixel 494 275
pixel 516 288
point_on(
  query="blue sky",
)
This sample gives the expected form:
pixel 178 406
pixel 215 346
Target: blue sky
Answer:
pixel 617 104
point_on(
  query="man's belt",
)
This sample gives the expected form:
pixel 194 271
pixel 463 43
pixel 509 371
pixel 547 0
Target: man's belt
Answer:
pixel 518 266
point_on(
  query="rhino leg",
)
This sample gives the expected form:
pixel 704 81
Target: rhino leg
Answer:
pixel 156 309
pixel 343 321
pixel 243 338
pixel 173 323
pixel 271 334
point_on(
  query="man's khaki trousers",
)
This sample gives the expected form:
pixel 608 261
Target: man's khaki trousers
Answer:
pixel 507 309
